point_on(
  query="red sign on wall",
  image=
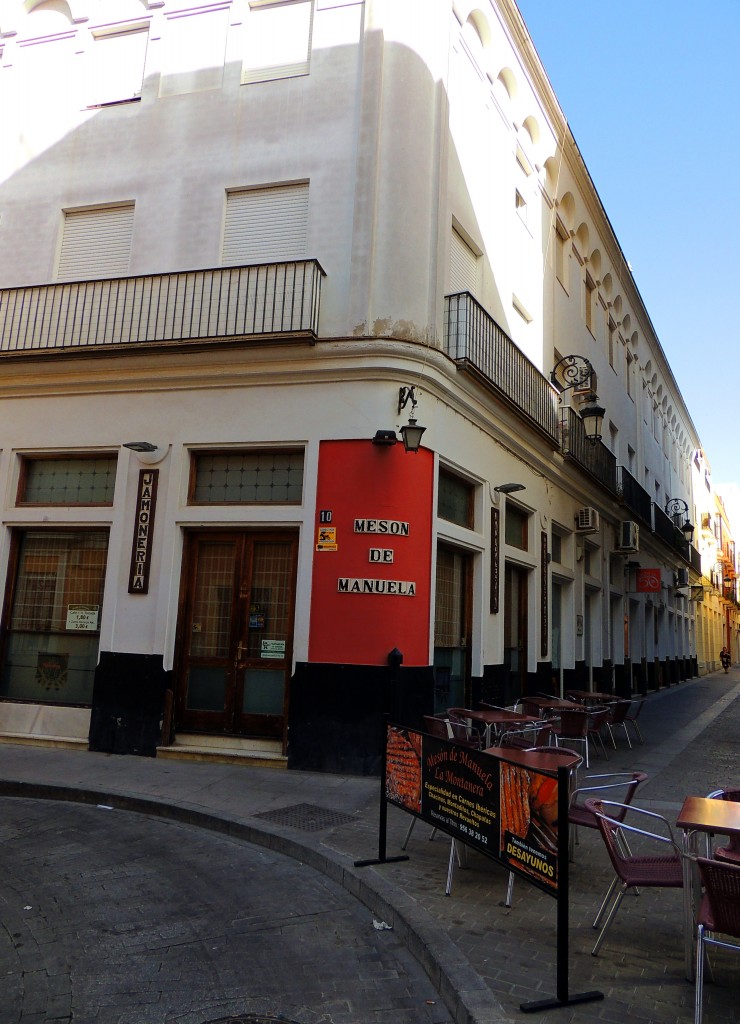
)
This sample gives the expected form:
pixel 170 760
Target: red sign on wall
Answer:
pixel 648 581
pixel 372 572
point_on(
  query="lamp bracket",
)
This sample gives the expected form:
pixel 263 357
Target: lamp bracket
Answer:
pixel 406 395
pixel 571 372
pixel 676 507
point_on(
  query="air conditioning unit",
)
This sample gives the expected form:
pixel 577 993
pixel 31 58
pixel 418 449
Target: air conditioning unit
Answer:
pixel 682 578
pixel 629 537
pixel 587 520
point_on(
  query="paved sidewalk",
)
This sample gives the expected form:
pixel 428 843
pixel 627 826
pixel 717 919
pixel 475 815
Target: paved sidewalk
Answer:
pixel 483 958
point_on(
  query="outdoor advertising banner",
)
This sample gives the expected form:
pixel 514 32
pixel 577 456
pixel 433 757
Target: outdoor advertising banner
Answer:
pixel 507 811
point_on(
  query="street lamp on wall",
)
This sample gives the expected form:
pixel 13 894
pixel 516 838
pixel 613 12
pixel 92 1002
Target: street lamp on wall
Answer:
pixel 676 508
pixel 147 452
pixel 411 432
pixel 574 372
pixel 592 415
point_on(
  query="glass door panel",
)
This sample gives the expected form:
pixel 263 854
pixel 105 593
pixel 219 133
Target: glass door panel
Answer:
pixel 209 635
pixel 236 627
pixel 265 652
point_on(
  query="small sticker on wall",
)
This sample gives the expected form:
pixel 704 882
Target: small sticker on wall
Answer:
pixel 326 538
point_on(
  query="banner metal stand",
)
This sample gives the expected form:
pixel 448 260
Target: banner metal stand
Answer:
pixel 563 998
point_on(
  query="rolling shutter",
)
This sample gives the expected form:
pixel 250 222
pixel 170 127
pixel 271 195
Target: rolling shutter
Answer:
pixel 278 40
pixel 463 266
pixel 266 225
pixel 116 66
pixel 96 243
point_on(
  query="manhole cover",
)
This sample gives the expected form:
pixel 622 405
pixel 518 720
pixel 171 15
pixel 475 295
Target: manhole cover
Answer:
pixel 251 1018
pixel 307 817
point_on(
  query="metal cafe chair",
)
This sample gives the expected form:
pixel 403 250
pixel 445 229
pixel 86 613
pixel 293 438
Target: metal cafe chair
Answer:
pixel 525 737
pixel 617 784
pixel 618 717
pixel 633 714
pixel 572 726
pixel 598 719
pixel 719 914
pixel 463 730
pixel 632 870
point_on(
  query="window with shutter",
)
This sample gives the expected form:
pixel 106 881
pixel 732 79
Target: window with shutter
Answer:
pixel 114 65
pixel 464 264
pixel 277 40
pixel 96 243
pixel 194 49
pixel 266 225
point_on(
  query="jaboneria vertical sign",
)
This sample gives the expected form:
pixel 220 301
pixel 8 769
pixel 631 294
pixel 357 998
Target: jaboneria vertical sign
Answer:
pixel 141 551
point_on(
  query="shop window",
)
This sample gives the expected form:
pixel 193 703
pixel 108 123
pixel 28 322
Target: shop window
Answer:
pixel 455 500
pixel 516 531
pixel 78 480
pixel 53 622
pixel 247 477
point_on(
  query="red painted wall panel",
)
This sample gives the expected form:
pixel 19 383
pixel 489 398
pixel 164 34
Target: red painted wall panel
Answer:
pixel 361 481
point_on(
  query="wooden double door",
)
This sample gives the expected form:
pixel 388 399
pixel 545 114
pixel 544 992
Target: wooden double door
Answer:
pixel 235 632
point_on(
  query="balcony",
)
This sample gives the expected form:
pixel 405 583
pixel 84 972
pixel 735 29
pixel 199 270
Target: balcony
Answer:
pixel 665 528
pixel 272 301
pixel 635 497
pixel 596 459
pixel 477 344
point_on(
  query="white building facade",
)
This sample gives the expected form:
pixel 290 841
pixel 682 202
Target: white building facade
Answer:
pixel 241 245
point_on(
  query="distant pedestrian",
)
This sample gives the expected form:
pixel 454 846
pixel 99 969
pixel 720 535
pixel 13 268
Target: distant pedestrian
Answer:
pixel 724 657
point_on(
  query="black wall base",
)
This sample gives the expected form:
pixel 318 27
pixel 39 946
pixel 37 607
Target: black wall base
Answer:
pixel 128 700
pixel 337 714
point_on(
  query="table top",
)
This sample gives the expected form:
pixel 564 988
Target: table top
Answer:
pixel 553 702
pixel 589 695
pixel 705 815
pixel 537 759
pixel 498 716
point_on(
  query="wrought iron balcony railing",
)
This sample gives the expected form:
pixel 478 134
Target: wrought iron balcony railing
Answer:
pixel 262 301
pixel 635 497
pixel 665 528
pixel 476 343
pixel 596 459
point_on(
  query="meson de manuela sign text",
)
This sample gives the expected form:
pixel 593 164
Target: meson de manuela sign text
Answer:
pixel 400 588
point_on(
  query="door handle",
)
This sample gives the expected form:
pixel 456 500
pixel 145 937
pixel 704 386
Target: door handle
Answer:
pixel 238 655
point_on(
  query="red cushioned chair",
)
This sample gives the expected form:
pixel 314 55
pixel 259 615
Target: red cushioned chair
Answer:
pixel 617 784
pixel 649 871
pixel 719 914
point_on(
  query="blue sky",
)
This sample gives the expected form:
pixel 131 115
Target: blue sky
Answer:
pixel 651 91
